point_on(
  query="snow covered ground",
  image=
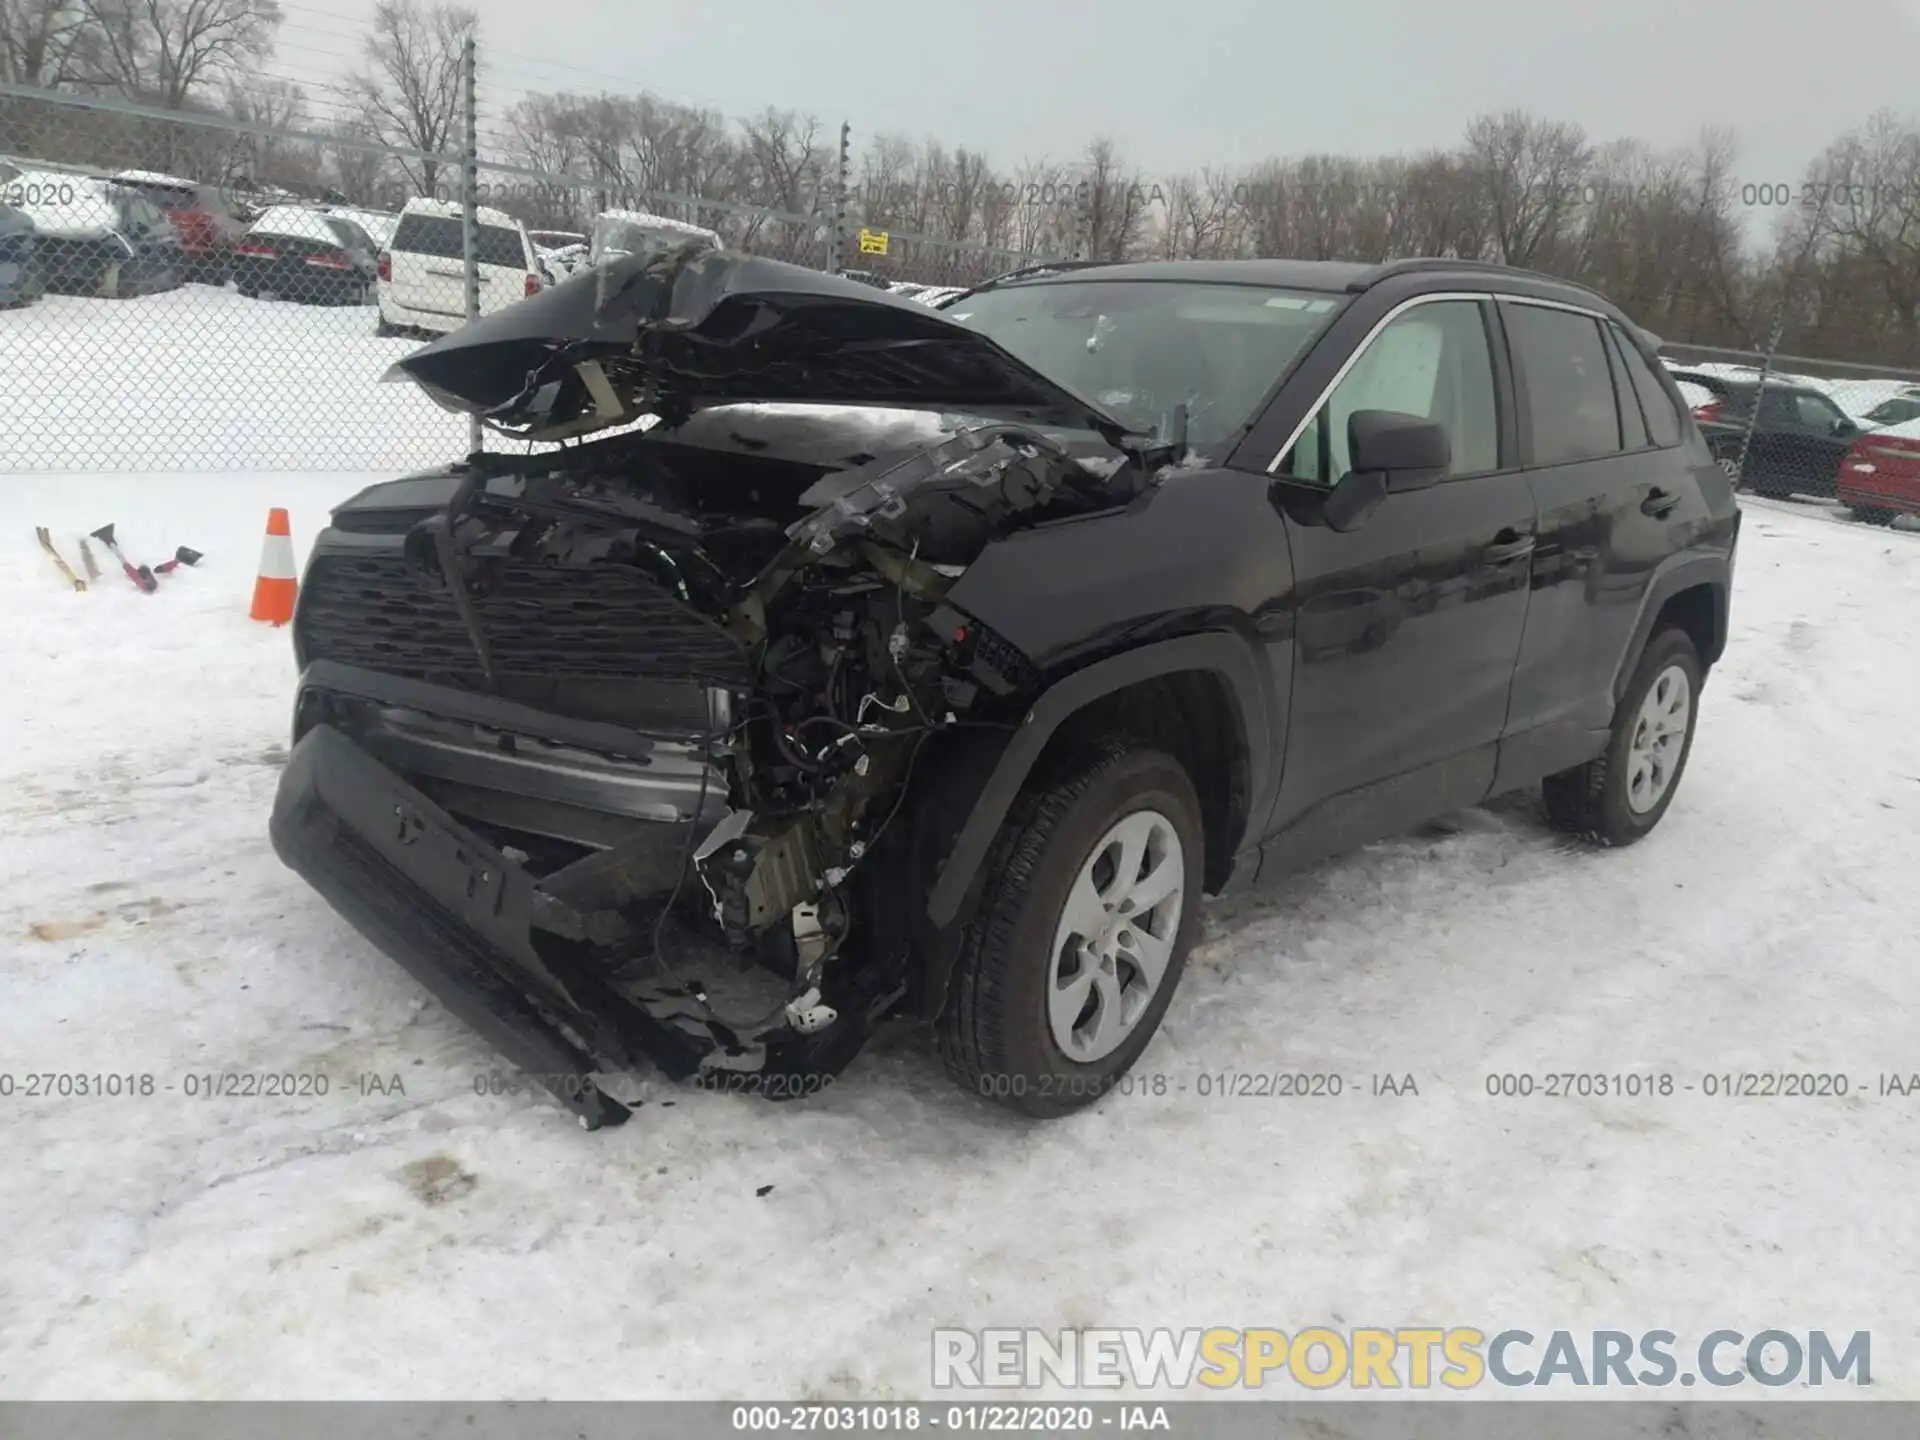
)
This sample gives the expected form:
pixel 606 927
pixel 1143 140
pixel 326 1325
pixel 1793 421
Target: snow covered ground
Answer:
pixel 439 1243
pixel 424 1240
pixel 205 380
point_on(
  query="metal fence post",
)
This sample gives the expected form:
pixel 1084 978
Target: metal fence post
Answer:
pixel 469 206
pixel 837 239
pixel 1760 394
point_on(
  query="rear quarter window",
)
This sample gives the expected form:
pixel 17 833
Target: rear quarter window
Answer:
pixel 1656 406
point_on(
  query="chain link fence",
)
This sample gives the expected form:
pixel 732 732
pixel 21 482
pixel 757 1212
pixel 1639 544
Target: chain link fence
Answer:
pixel 1785 425
pixel 164 307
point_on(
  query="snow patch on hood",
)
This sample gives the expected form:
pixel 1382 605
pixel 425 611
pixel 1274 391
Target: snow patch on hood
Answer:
pixel 820 434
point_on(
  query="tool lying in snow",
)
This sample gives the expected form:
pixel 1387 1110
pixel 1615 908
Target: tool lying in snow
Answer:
pixel 185 555
pixel 86 559
pixel 46 544
pixel 140 575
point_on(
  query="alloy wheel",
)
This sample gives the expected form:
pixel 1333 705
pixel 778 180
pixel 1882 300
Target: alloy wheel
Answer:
pixel 1659 735
pixel 1116 935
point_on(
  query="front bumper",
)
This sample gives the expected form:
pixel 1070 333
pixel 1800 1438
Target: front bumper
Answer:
pixel 406 317
pixel 451 909
pixel 459 916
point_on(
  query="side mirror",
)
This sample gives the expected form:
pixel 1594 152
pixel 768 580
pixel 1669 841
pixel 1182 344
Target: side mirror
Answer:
pixel 1845 426
pixel 1410 451
pixel 1388 452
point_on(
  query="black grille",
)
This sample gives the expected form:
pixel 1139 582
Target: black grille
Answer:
pixel 605 622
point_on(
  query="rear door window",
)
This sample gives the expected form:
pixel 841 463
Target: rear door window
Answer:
pixel 1571 407
pixel 1816 413
pixel 1778 411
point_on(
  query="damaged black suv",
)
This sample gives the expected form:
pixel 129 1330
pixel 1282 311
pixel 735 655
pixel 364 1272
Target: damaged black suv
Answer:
pixel 932 665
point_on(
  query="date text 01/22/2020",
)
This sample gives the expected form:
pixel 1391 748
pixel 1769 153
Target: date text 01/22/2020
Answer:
pixel 194 1085
pixel 1206 1085
pixel 1718 1084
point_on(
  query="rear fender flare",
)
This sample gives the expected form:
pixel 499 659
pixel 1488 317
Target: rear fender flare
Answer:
pixel 1680 572
pixel 1226 655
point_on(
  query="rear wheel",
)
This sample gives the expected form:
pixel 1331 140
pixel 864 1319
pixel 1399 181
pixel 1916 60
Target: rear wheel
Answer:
pixel 1078 941
pixel 382 329
pixel 1620 796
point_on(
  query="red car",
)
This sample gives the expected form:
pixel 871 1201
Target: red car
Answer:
pixel 1880 478
pixel 206 224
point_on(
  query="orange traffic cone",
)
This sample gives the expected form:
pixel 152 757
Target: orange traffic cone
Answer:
pixel 273 592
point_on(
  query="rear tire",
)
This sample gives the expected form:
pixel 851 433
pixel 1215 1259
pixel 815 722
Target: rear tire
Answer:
pixel 1064 943
pixel 1620 796
pixel 1870 514
pixel 382 329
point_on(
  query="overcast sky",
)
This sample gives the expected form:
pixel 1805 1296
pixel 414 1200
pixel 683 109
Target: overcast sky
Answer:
pixel 1179 83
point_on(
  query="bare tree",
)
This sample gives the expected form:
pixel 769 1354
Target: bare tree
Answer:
pixel 412 88
pixel 43 42
pixel 1110 203
pixel 787 160
pixel 1866 192
pixel 165 52
pixel 358 172
pixel 1530 173
pixel 269 105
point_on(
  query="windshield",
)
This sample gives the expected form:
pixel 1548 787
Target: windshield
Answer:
pixel 1896 411
pixel 1138 348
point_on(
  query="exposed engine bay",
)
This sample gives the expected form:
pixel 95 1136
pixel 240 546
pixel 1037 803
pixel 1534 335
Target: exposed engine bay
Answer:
pixel 809 614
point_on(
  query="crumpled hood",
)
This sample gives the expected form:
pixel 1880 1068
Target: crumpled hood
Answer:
pixel 678 332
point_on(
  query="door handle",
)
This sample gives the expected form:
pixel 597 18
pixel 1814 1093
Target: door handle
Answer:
pixel 1509 545
pixel 1658 502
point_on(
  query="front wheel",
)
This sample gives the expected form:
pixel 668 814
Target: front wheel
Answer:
pixel 1073 953
pixel 1619 797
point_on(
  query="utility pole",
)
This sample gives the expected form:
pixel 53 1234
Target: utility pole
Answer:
pixel 470 205
pixel 837 239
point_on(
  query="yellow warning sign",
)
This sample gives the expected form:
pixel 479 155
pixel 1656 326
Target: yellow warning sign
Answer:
pixel 873 242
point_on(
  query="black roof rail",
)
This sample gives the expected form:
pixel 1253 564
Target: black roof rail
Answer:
pixel 1420 264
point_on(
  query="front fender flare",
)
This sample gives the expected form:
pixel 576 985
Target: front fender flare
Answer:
pixel 1221 653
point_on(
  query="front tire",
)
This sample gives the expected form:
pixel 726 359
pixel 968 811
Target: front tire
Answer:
pixel 1870 514
pixel 1619 797
pixel 1077 943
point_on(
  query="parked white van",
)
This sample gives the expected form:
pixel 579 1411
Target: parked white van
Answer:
pixel 422 279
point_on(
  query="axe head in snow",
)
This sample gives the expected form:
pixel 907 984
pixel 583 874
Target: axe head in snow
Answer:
pixel 104 535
